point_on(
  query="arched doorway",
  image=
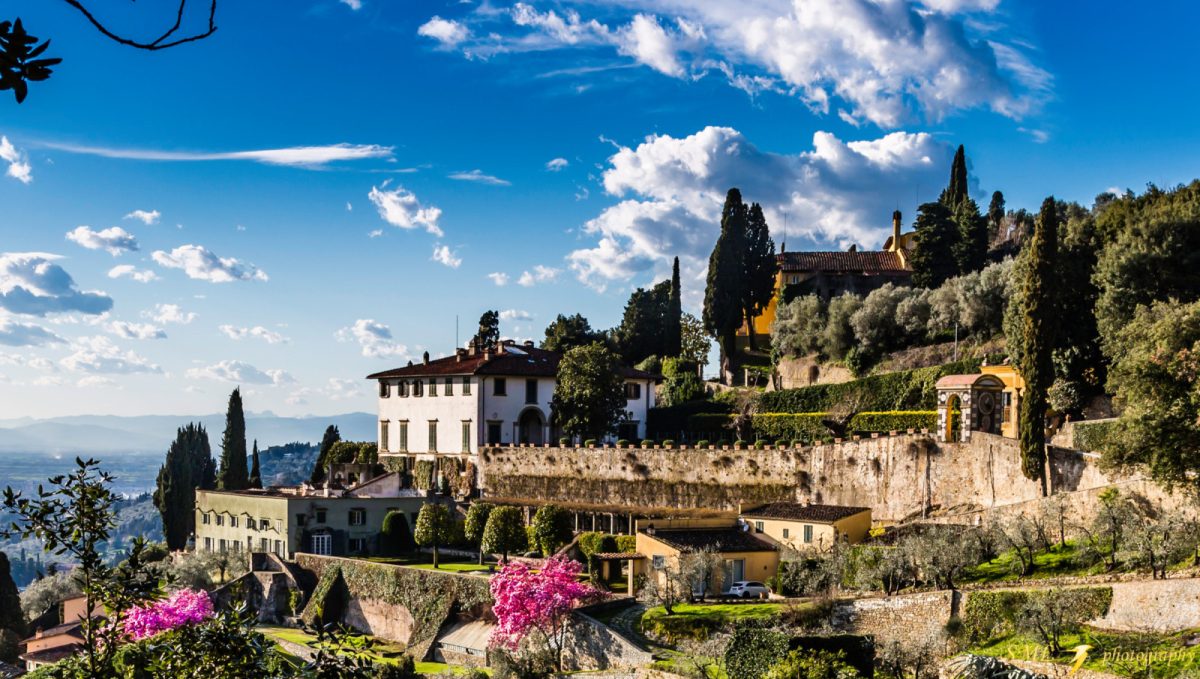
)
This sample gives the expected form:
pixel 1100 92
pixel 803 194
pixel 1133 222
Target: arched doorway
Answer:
pixel 531 426
pixel 954 418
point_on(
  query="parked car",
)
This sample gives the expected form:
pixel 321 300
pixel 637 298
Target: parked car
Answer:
pixel 748 589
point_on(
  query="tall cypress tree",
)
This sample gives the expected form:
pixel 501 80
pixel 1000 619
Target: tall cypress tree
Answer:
pixel 760 267
pixel 11 617
pixel 933 255
pixel 1038 332
pixel 673 332
pixel 332 436
pixel 233 474
pixel 995 216
pixel 255 469
pixel 970 250
pixel 724 290
pixel 188 466
pixel 956 191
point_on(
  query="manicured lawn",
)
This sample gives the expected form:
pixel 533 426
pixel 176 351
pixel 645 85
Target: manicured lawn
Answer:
pixel 726 611
pixel 1165 655
pixel 452 564
pixel 455 567
pixel 1056 561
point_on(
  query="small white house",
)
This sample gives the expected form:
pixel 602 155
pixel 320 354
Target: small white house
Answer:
pixel 480 397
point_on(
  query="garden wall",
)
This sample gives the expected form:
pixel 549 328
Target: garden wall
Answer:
pixel 910 619
pixel 896 476
pixel 1153 606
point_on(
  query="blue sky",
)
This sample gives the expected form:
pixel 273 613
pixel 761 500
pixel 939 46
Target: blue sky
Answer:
pixel 316 191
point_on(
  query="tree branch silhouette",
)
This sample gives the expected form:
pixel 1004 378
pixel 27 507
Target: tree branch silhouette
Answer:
pixel 163 41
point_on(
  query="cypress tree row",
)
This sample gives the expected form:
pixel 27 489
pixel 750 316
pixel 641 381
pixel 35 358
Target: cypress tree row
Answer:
pixel 959 242
pixel 759 267
pixel 255 469
pixel 332 436
pixel 673 334
pixel 1038 331
pixel 723 293
pixel 233 474
pixel 189 465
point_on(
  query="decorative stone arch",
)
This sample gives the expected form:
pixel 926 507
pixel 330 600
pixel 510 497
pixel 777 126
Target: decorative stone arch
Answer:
pixel 531 426
pixel 966 404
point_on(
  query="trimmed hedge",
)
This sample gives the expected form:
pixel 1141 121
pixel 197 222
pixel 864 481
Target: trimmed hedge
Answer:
pixel 790 426
pixel 905 390
pixel 987 615
pixel 626 543
pixel 1091 436
pixel 895 420
pixel 669 421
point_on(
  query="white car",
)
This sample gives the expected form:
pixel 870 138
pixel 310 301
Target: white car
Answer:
pixel 748 589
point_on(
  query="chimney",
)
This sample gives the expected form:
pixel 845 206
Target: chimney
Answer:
pixel 425 357
pixel 458 354
pixel 528 344
pixel 896 230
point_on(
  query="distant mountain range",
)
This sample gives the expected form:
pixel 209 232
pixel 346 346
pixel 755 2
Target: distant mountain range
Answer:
pixel 153 433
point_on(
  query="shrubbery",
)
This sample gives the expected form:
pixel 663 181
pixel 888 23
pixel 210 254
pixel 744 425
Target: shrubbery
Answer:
pixel 896 420
pixel 1091 436
pixel 905 390
pixel 790 426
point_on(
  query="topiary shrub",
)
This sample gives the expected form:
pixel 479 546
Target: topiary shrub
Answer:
pixel 589 443
pixel 789 425
pixel 752 650
pixel 761 444
pixel 622 443
pixel 626 543
pixel 739 445
pixel 668 443
pixel 703 443
pixel 395 538
pixel 564 442
pixel 647 443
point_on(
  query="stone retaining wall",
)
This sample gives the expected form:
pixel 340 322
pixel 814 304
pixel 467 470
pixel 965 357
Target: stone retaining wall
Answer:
pixel 909 619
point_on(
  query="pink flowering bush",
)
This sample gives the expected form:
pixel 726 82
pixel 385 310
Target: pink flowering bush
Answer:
pixel 528 601
pixel 183 607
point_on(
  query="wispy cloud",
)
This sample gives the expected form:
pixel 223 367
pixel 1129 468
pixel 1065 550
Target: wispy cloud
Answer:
pixel 240 372
pixel 147 217
pixel 374 338
pixel 18 164
pixel 540 274
pixel 140 331
pixel 400 207
pixel 202 264
pixel 294 156
pixel 556 164
pixel 170 313
pixel 515 315
pixel 442 254
pixel 113 240
pixel 499 278
pixel 16 334
pixel 479 177
pixel 257 332
pixel 132 272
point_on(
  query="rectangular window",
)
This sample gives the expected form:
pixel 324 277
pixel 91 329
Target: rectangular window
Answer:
pixel 301 519
pixel 633 391
pixel 448 386
pixel 807 533
pixel 531 391
pixel 466 436
pixel 322 544
pixel 785 533
pixel 264 545
pixel 204 519
pixel 279 548
pixel 403 436
pixel 433 436
pixel 466 386
pixel 383 436
pixel 758 526
pixel 416 385
pixel 278 525
pixel 222 545
pixel 658 562
pixel 402 388
pixel 208 544
pixel 433 387
pixel 358 517
pixel 233 522
pixel 500 387
pixel 493 433
pixel 320 516
pixel 384 390
pixel 220 519
pixel 358 545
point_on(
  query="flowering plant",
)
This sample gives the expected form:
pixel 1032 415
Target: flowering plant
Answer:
pixel 527 601
pixel 183 607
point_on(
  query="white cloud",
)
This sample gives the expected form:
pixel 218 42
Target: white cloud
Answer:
pixel 374 233
pixel 499 278
pixel 18 164
pixel 400 207
pixel 479 177
pixel 442 254
pixel 99 355
pixel 556 164
pixel 31 283
pixel 885 62
pixel 240 372
pixel 146 217
pixel 170 313
pixel 295 156
pixel 340 389
pixel 113 240
pixel 446 31
pixel 672 190
pixel 353 4
pixel 96 381
pixel 131 271
pixel 374 338
pixel 16 334
pixel 256 332
pixel 540 274
pixel 202 264
pixel 140 331
pixel 515 315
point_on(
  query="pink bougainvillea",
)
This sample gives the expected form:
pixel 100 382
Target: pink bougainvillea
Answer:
pixel 183 607
pixel 527 600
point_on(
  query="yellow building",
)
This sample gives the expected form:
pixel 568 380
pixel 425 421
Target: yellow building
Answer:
pixel 988 401
pixel 808 527
pixel 661 543
pixel 1010 398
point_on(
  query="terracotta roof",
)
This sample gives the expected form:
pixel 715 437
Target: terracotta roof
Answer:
pixel 795 511
pixel 515 360
pixel 950 381
pixel 52 655
pixel 71 628
pixel 617 556
pixel 721 539
pixel 843 262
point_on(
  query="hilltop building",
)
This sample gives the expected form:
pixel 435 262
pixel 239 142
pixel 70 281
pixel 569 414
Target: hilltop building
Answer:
pixel 485 396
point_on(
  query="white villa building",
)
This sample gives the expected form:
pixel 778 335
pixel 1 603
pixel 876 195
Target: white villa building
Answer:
pixel 498 396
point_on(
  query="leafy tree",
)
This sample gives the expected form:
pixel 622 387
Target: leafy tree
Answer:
pixel 542 602
pixel 589 394
pixel 233 474
pixel 1054 613
pixel 255 468
pixel 504 531
pixel 753 650
pixel 798 326
pixel 19 62
pixel 995 217
pixel 1156 539
pixel 641 333
pixel 838 336
pixel 817 664
pixel 435 527
pixel 476 524
pixel 394 537
pixel 759 267
pixel 682 383
pixel 694 344
pixel 724 291
pixel 568 332
pixel 11 617
pixel 673 322
pixel 552 528
pixel 1038 335
pixel 189 465
pixel 332 436
pixel 488 334
pixel 1024 535
pixel 933 258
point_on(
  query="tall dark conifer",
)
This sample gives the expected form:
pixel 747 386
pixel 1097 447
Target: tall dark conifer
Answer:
pixel 332 436
pixel 11 617
pixel 956 191
pixel 189 465
pixel 933 256
pixel 995 216
pixel 673 332
pixel 1038 331
pixel 233 474
pixel 759 266
pixel 970 250
pixel 255 469
pixel 724 289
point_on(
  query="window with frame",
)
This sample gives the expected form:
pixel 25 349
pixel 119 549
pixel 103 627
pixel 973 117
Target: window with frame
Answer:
pixel 466 436
pixel 403 426
pixel 658 562
pixel 531 391
pixel 358 517
pixel 279 547
pixel 384 389
pixel 466 386
pixel 222 545
pixel 383 435
pixel 208 544
pixel 320 516
pixel 357 545
pixel 233 522
pixel 417 387
pixel 301 519
pixel 633 391
pixel 433 387
pixel 448 386
pixel 220 520
pixel 808 533
pixel 264 545
pixel 402 388
pixel 204 518
pixel 433 436
pixel 500 387
pixel 758 526
pixel 785 533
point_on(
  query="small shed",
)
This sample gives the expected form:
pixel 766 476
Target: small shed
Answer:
pixel 967 404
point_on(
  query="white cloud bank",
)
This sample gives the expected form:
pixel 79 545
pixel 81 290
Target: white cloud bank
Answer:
pixel 257 332
pixel 147 217
pixel 99 355
pixel 138 331
pixel 202 264
pixel 15 334
pixel 400 207
pixel 170 313
pixel 540 274
pixel 132 272
pixel 113 240
pixel 32 283
pixel 240 372
pixel 374 338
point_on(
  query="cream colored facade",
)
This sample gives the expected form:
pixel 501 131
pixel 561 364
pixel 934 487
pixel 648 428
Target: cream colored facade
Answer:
pixel 660 551
pixel 1010 404
pixel 810 534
